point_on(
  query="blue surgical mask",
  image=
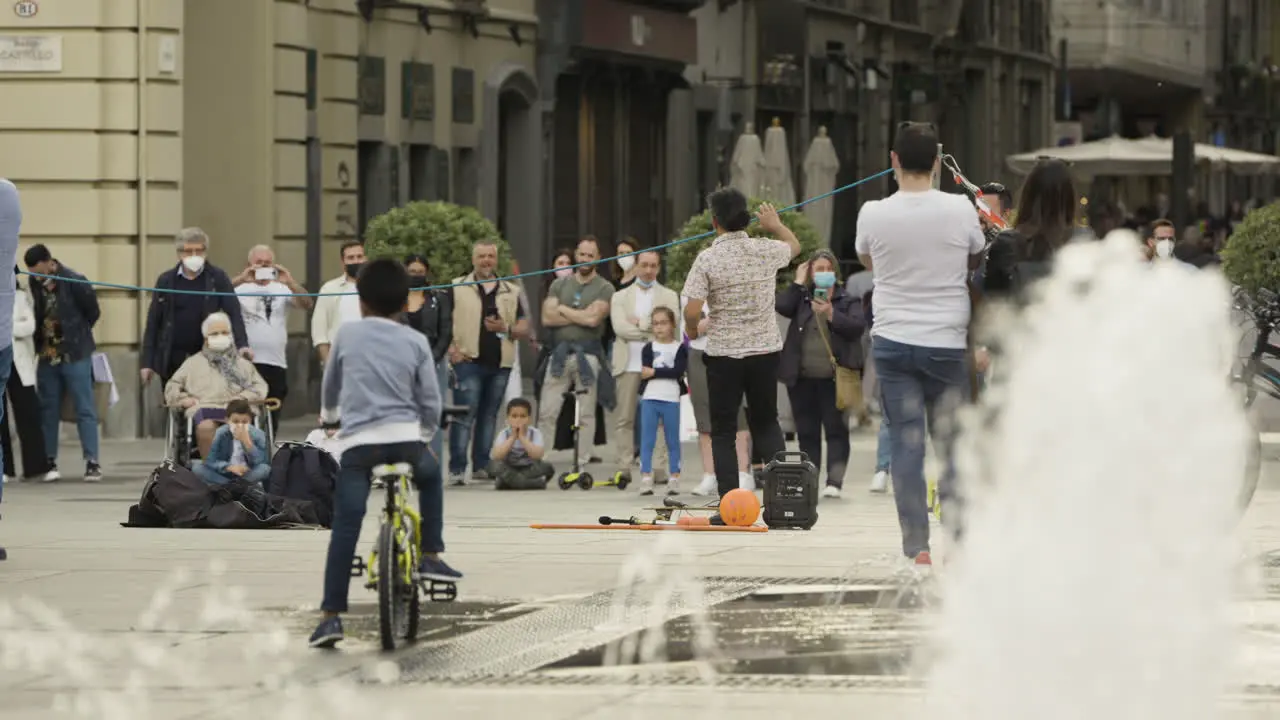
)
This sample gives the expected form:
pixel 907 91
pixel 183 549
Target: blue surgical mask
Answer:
pixel 643 284
pixel 825 280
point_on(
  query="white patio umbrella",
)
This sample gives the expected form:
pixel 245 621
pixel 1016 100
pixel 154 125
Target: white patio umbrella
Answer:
pixel 1110 156
pixel 746 169
pixel 820 168
pixel 778 187
pixel 1242 162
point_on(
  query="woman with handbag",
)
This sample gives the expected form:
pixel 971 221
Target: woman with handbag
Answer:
pixel 21 391
pixel 821 362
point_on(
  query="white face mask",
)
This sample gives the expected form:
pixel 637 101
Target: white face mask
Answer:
pixel 1164 248
pixel 193 263
pixel 626 263
pixel 219 343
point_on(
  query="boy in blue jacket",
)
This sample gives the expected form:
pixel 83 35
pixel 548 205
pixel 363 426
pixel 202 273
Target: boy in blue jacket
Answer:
pixel 239 450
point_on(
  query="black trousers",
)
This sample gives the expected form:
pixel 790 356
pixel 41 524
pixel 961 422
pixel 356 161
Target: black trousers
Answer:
pixel 729 381
pixel 277 379
pixel 27 416
pixel 813 407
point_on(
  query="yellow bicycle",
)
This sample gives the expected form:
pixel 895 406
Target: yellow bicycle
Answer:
pixel 392 567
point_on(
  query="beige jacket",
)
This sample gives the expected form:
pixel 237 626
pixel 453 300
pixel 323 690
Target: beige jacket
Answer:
pixel 199 379
pixel 24 344
pixel 467 314
pixel 623 306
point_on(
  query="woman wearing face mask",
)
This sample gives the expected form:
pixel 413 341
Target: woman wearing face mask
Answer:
pixel 825 332
pixel 625 273
pixel 210 379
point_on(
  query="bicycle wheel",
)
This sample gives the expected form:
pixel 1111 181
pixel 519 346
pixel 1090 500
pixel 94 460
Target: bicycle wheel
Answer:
pixel 389 579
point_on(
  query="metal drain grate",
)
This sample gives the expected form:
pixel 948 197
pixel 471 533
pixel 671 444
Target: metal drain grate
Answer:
pixel 528 642
pixel 613 679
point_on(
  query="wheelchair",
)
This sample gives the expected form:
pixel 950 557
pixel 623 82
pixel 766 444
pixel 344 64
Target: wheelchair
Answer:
pixel 180 446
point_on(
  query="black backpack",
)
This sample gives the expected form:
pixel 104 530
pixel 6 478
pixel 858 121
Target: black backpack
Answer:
pixel 305 473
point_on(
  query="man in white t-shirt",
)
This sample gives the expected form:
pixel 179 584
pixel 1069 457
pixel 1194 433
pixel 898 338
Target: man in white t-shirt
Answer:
pixel 921 244
pixel 267 291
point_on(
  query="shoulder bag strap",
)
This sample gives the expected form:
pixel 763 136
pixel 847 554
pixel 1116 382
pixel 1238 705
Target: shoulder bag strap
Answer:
pixel 821 323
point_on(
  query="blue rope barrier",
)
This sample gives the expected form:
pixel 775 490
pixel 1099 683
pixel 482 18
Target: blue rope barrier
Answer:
pixel 519 276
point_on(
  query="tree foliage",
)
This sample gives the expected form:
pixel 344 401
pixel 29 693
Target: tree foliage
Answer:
pixel 1251 257
pixel 442 232
pixel 680 258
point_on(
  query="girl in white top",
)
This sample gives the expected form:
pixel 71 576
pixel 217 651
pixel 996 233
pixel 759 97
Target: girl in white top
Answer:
pixel 663 363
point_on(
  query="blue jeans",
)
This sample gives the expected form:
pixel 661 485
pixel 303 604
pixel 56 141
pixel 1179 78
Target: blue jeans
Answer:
pixel 75 378
pixel 6 365
pixel 435 474
pixel 920 388
pixel 651 413
pixel 884 448
pixel 481 390
pixel 351 499
pixel 259 474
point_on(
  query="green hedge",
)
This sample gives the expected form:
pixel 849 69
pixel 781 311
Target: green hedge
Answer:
pixel 680 258
pixel 1251 257
pixel 440 231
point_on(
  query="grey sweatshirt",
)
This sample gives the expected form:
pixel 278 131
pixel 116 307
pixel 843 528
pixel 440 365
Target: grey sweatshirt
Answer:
pixel 380 377
pixel 10 225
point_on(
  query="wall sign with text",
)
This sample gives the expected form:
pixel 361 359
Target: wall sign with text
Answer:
pixel 30 53
pixel 26 9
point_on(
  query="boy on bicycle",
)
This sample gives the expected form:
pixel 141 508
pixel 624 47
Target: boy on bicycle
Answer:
pixel 382 378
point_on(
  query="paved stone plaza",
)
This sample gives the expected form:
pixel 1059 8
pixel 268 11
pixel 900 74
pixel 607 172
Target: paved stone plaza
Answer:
pixel 131 623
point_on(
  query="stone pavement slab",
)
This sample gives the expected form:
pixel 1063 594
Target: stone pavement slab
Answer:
pixel 210 624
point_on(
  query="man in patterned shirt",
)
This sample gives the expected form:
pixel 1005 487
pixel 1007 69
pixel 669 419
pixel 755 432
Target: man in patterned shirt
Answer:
pixel 736 279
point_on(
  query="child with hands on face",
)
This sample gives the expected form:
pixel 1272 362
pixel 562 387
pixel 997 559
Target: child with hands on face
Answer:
pixel 516 457
pixel 663 363
pixel 239 450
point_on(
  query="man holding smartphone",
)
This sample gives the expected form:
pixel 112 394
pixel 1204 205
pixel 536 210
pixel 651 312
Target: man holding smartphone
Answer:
pixel 266 293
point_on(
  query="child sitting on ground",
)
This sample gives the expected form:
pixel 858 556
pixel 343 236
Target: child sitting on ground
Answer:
pixel 382 376
pixel 239 450
pixel 662 366
pixel 517 453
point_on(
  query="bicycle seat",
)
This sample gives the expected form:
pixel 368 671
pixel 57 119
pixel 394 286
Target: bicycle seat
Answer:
pixel 393 470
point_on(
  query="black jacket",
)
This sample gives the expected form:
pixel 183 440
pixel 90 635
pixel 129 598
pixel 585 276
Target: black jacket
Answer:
pixel 157 340
pixel 78 312
pixel 1008 270
pixel 848 322
pixel 435 321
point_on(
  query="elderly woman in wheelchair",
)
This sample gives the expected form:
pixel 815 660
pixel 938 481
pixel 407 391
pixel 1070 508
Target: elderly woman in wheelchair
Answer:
pixel 208 380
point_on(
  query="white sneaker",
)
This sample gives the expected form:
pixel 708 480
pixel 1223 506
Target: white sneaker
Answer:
pixel 457 479
pixel 673 485
pixel 880 483
pixel 747 481
pixel 646 485
pixel 7 479
pixel 831 491
pixel 707 487
pixel 51 476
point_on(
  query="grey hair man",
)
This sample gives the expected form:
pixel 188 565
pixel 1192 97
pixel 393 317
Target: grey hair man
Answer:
pixel 267 290
pixel 184 296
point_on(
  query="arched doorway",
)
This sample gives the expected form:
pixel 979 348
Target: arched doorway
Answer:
pixel 510 171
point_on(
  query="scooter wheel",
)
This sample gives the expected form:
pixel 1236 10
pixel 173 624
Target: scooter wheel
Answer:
pixel 565 481
pixel 585 481
pixel 623 480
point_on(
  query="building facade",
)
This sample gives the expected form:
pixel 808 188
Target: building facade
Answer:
pixel 608 70
pixel 1134 67
pixel 285 122
pixel 980 71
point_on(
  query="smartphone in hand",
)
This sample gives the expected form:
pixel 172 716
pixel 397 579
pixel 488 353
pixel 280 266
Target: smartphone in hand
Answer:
pixel 820 294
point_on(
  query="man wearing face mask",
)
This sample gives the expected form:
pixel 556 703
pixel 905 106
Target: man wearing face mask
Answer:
pixel 1160 240
pixel 338 303
pixel 66 309
pixel 267 291
pixel 630 310
pixel 173 320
